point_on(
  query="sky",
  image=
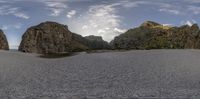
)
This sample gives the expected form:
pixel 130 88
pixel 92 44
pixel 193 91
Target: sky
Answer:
pixel 106 18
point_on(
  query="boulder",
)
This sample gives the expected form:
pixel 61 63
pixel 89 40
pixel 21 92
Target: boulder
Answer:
pixel 47 37
pixel 3 41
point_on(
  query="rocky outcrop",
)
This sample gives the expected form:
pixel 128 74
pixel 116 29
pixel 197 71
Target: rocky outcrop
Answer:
pixel 97 43
pixel 79 43
pixel 151 35
pixel 3 41
pixel 48 37
pixel 52 37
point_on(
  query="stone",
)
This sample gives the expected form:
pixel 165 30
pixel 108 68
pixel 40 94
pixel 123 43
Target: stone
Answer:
pixel 47 37
pixel 3 41
pixel 151 35
pixel 97 43
pixel 52 37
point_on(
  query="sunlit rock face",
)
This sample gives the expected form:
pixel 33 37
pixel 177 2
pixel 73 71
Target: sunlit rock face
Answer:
pixel 3 41
pixel 47 37
pixel 52 37
pixel 152 35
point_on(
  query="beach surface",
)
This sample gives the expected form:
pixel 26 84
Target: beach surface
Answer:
pixel 148 74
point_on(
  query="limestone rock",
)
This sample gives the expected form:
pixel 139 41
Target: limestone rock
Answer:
pixel 97 43
pixel 47 37
pixel 3 41
pixel 52 37
pixel 151 35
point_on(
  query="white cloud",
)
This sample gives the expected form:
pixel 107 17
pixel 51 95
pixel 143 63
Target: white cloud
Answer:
pixel 17 26
pixel 169 8
pixel 101 20
pixel 4 27
pixel 120 30
pixel 21 15
pixel 11 26
pixel 172 11
pixel 192 1
pixel 55 11
pixel 131 4
pixel 55 6
pixel 167 24
pixel 188 22
pixel 71 13
pixel 15 11
pixel 85 27
pixel 101 31
pixel 194 9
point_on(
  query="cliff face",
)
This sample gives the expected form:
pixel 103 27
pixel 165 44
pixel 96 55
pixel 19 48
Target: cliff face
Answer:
pixel 97 43
pixel 52 37
pixel 48 37
pixel 151 35
pixel 3 41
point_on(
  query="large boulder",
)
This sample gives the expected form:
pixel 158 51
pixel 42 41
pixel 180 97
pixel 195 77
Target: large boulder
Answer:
pixel 47 37
pixel 151 35
pixel 3 41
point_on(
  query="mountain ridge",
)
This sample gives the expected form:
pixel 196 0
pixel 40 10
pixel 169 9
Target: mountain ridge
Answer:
pixel 152 35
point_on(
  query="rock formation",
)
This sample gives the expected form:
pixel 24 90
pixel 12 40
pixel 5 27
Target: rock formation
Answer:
pixel 97 43
pixel 52 37
pixel 47 37
pixel 151 35
pixel 3 41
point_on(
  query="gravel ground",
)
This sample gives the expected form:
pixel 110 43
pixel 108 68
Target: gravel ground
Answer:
pixel 152 74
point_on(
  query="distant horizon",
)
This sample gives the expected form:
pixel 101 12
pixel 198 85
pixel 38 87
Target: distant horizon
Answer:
pixel 94 17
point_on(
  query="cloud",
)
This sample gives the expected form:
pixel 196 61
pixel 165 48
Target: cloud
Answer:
pixel 17 25
pixel 71 13
pixel 167 24
pixel 21 15
pixel 188 22
pixel 55 11
pixel 172 11
pixel 15 11
pixel 120 30
pixel 192 1
pixel 4 27
pixel 11 26
pixel 131 4
pixel 102 20
pixel 55 6
pixel 85 27
pixel 194 9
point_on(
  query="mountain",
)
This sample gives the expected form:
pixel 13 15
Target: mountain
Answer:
pixel 97 43
pixel 47 37
pixel 52 37
pixel 152 35
pixel 3 41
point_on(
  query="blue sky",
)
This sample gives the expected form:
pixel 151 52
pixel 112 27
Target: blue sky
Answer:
pixel 107 18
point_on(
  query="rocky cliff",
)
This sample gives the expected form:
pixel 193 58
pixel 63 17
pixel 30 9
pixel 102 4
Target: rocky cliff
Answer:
pixel 3 41
pixel 47 37
pixel 152 35
pixel 52 37
pixel 97 42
